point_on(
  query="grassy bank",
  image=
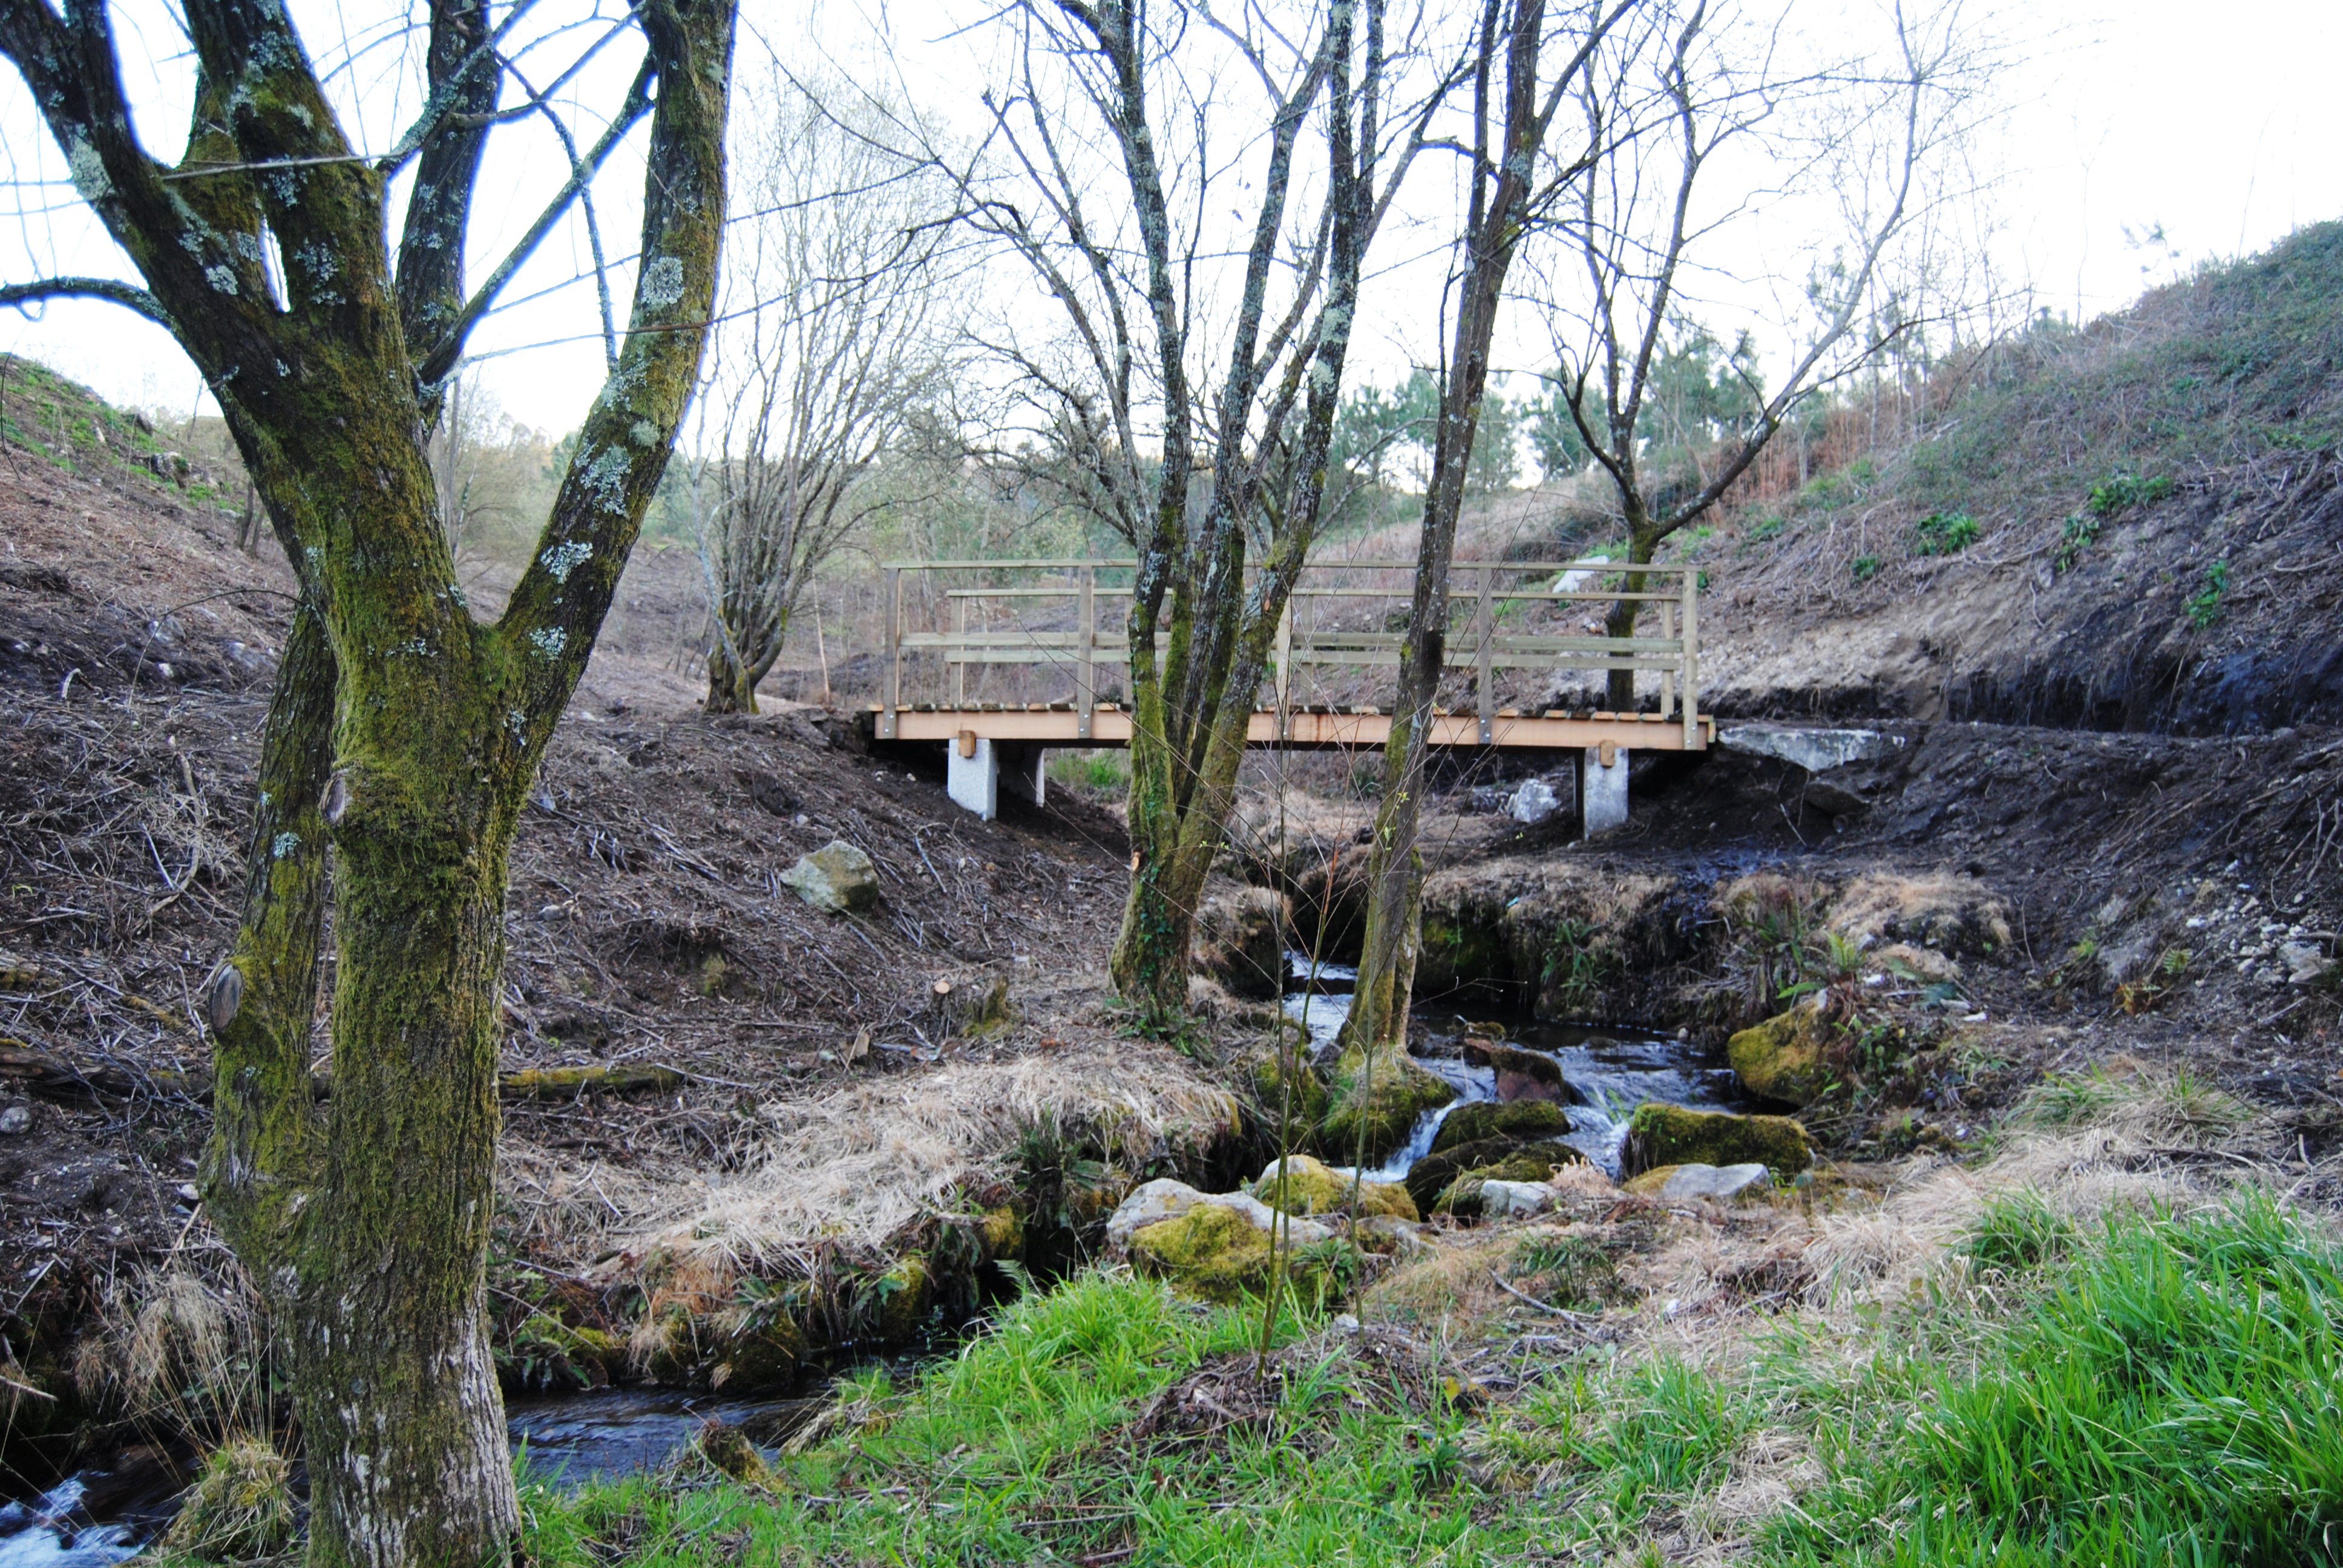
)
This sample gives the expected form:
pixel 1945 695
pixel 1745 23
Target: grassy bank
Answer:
pixel 2155 1385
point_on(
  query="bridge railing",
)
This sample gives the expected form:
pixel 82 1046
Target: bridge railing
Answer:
pixel 1047 612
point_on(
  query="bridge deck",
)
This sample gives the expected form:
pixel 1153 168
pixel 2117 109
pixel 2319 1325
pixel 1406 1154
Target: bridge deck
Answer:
pixel 1346 616
pixel 1319 729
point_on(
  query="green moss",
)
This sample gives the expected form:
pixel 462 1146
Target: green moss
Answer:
pixel 763 1356
pixel 1462 1197
pixel 1309 1187
pixel 1212 1252
pixel 902 1295
pixel 727 1450
pixel 1523 1119
pixel 1672 1135
pixel 1430 1178
pixel 240 1507
pixel 1372 1113
pixel 548 1354
pixel 1277 1074
pixel 1004 1234
pixel 1784 1059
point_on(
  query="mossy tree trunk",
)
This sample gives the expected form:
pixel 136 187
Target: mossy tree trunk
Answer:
pixel 1511 194
pixel 403 733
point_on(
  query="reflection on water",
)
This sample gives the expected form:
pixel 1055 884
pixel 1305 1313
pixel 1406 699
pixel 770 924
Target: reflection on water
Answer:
pixel 96 1518
pixel 567 1440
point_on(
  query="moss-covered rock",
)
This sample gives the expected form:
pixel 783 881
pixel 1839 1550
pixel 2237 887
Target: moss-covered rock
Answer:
pixel 902 1295
pixel 1239 941
pixel 1278 1075
pixel 1462 1197
pixel 1211 1252
pixel 1682 1183
pixel 1525 1119
pixel 727 1450
pixel 1431 1176
pixel 1003 1232
pixel 764 1354
pixel 1309 1187
pixel 546 1353
pixel 1785 1059
pixel 1672 1135
pixel 240 1507
pixel 1370 1113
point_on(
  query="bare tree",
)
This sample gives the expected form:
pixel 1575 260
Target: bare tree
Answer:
pixel 1219 479
pixel 1525 75
pixel 831 341
pixel 403 733
pixel 1859 136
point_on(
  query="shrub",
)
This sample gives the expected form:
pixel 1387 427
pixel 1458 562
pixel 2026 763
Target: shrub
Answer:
pixel 2205 609
pixel 1865 568
pixel 1943 534
pixel 2119 493
pixel 2080 534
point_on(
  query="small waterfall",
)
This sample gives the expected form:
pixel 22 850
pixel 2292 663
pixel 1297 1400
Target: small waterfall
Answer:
pixel 1612 1070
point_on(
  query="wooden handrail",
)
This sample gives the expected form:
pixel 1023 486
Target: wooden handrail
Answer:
pixel 1674 654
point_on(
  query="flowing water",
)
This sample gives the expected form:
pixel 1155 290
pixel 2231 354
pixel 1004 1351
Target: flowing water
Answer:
pixel 1611 1070
pixel 99 1517
pixel 96 1518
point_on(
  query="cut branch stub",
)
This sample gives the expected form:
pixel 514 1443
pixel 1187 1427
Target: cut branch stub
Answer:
pixel 224 998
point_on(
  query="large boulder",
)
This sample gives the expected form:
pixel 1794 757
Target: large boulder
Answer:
pixel 1527 1120
pixel 1163 1200
pixel 1501 1199
pixel 1468 1195
pixel 1307 1186
pixel 1660 1135
pixel 837 878
pixel 1786 1058
pixel 1215 1252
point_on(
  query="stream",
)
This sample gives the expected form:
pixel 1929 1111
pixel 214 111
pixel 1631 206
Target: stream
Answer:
pixel 1610 1069
pixel 97 1517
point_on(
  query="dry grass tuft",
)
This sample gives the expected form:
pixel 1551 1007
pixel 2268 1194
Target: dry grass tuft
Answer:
pixel 182 1349
pixel 1941 909
pixel 857 1166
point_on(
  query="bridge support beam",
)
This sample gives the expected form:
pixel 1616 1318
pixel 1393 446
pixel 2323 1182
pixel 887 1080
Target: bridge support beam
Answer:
pixel 978 771
pixel 1602 789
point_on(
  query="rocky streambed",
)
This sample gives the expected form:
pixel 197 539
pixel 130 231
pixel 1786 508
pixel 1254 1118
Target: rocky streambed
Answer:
pixel 1530 1108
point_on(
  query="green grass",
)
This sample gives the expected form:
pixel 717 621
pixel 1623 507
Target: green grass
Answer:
pixel 2149 1388
pixel 1019 1450
pixel 1101 771
pixel 2172 1394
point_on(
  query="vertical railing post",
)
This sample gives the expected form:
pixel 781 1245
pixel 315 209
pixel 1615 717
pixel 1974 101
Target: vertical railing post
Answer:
pixel 1285 670
pixel 1690 658
pixel 1668 671
pixel 894 650
pixel 1085 670
pixel 959 652
pixel 1485 623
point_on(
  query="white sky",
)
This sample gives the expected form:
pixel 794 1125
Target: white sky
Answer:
pixel 2218 126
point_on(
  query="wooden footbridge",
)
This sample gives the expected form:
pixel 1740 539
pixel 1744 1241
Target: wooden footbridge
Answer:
pixel 953 624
